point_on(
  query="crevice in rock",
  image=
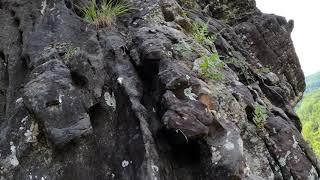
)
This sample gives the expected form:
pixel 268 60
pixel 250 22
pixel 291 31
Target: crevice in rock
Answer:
pixel 95 113
pixel 273 155
pixel 68 4
pixel 16 21
pixel 2 56
pixel 52 103
pixel 250 113
pixel 79 80
pixel 187 154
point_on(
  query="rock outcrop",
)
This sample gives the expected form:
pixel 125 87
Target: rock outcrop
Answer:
pixel 130 101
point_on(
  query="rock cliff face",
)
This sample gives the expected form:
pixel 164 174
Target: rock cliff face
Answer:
pixel 130 102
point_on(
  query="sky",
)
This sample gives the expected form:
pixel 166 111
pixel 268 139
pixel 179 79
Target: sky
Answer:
pixel 306 32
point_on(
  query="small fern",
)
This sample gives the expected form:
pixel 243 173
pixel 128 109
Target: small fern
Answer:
pixel 260 116
pixel 210 68
pixel 201 34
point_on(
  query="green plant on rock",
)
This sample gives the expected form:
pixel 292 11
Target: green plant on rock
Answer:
pixel 238 63
pixel 211 66
pixel 260 116
pixel 265 69
pixel 201 34
pixel 70 52
pixel 104 15
pixel 189 3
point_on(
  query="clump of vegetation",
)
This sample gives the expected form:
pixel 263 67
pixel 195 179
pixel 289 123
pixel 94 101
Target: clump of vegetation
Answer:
pixel 201 34
pixel 105 14
pixel 189 3
pixel 211 66
pixel 260 116
pixel 264 70
pixel 70 52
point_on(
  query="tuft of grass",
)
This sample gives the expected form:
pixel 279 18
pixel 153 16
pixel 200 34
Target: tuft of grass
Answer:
pixel 70 52
pixel 106 14
pixel 260 116
pixel 210 68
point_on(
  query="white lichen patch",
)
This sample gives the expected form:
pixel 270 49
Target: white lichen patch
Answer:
pixel 60 98
pixel 120 80
pixel 13 157
pixel 43 6
pixel 228 145
pixel 155 168
pixel 32 133
pixel 240 143
pixel 124 163
pixel 19 101
pixel 187 77
pixel 28 135
pixel 24 120
pixel 188 93
pixel 215 155
pixel 295 142
pixel 283 160
pixel 110 100
pixel 313 174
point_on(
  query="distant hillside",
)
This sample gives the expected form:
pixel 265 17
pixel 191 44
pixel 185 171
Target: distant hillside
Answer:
pixel 312 82
pixel 309 112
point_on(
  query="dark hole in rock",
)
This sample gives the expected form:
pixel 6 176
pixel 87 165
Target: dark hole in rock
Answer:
pixel 79 79
pixel 188 153
pixel 68 4
pixel 149 72
pixel 97 114
pixel 61 54
pixel 183 151
pixel 25 61
pixel 12 13
pixel 250 113
pixel 2 56
pixel 52 103
pixel 16 22
pixel 20 38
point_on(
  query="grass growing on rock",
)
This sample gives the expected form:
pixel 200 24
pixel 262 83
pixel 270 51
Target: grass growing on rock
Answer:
pixel 210 68
pixel 105 14
pixel 70 52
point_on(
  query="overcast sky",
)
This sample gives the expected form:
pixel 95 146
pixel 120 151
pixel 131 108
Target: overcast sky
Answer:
pixel 306 33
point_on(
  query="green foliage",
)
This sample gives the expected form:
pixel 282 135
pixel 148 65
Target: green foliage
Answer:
pixel 105 14
pixel 70 52
pixel 90 11
pixel 265 69
pixel 210 68
pixel 201 34
pixel 189 3
pixel 241 64
pixel 309 113
pixel 260 116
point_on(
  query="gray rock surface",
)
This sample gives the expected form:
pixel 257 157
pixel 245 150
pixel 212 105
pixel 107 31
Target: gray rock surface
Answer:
pixel 130 101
